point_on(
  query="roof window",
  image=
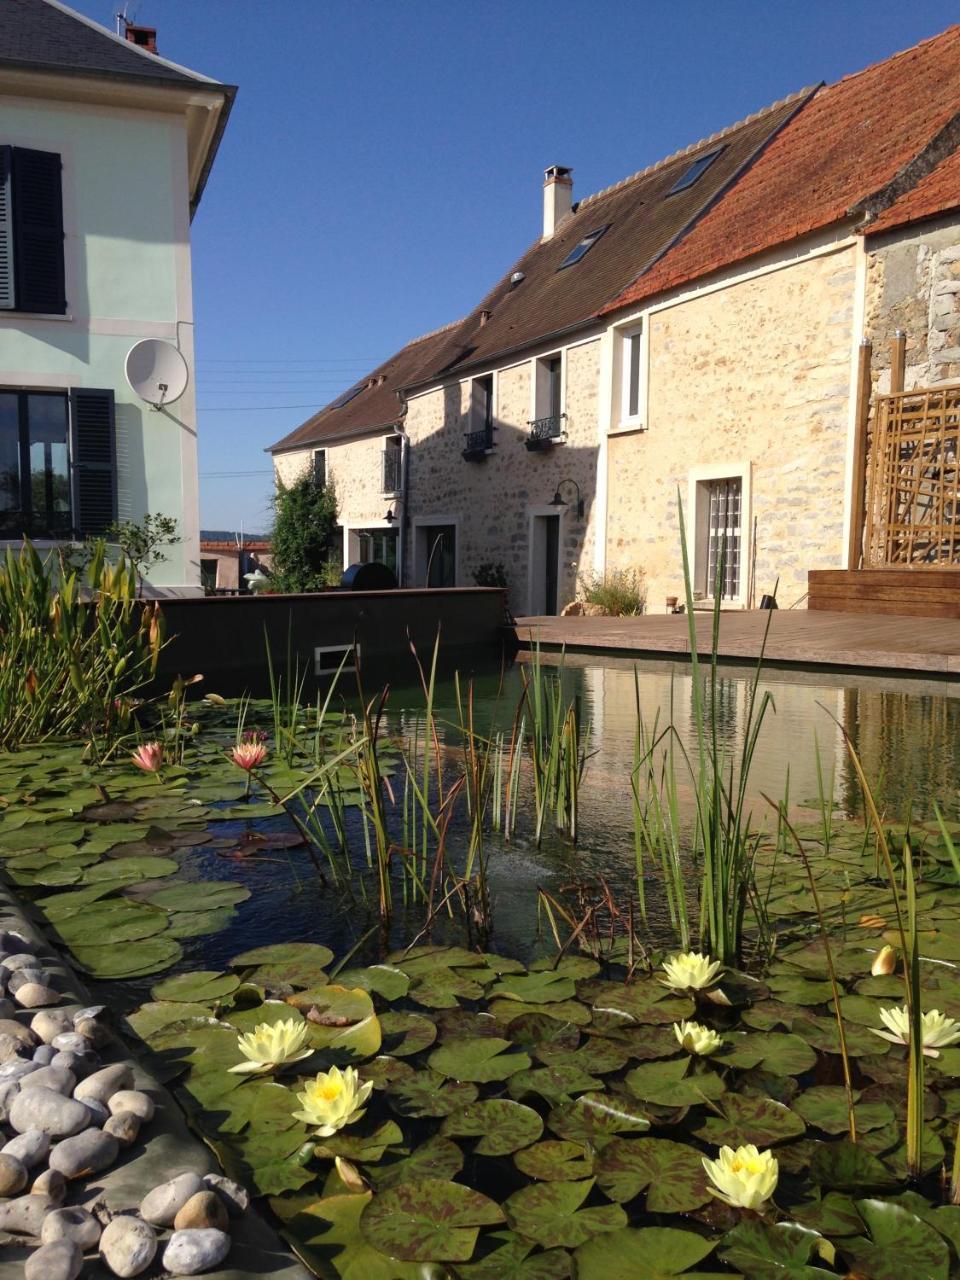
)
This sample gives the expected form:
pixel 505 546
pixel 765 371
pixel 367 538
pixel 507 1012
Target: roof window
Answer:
pixel 695 171
pixel 349 395
pixel 580 250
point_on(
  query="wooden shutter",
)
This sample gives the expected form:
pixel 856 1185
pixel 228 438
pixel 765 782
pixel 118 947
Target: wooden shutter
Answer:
pixel 93 447
pixel 7 294
pixel 38 231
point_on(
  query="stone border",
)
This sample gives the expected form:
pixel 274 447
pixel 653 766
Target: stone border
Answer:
pixel 166 1148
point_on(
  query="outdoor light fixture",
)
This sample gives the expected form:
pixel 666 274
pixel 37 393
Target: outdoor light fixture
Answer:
pixel 558 501
pixel 390 516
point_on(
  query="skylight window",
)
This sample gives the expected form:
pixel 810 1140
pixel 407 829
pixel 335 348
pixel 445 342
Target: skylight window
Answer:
pixel 695 171
pixel 580 250
pixel 348 396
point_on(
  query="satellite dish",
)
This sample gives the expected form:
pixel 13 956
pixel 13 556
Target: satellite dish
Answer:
pixel 156 371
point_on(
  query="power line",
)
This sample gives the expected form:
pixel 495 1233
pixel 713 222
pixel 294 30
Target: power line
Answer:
pixel 253 408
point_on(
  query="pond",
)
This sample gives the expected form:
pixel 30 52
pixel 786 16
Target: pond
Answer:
pixel 520 1109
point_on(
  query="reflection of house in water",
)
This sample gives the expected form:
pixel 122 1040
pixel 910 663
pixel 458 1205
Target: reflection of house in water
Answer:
pixel 225 560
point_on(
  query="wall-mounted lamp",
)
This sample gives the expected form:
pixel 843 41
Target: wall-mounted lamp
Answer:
pixel 391 516
pixel 558 501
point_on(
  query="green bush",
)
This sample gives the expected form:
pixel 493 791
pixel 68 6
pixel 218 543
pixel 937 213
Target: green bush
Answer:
pixel 489 574
pixel 74 645
pixel 622 592
pixel 304 535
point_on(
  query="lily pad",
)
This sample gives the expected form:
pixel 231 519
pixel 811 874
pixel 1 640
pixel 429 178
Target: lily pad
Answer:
pixel 406 1033
pixel 196 924
pixel 478 1059
pixel 428 1220
pixel 550 1214
pixel 507 1256
pixel 502 1126
pixel 436 1158
pixel 535 988
pixel 428 1094
pixel 651 1253
pixel 900 1244
pixel 780 1252
pixel 671 1083
pixel 327 1235
pixel 594 1118
pixel 132 960
pixel 671 1173
pixel 204 986
pixel 761 1121
pixel 201 895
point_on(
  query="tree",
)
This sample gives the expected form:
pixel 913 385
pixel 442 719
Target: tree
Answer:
pixel 140 541
pixel 304 534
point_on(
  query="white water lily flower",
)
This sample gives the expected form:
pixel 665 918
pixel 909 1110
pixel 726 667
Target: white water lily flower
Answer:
pixel 335 1098
pixel 271 1045
pixel 690 971
pixel 744 1178
pixel 696 1038
pixel 937 1029
pixel 884 962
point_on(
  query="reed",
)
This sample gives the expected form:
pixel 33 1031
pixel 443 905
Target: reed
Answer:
pixel 556 751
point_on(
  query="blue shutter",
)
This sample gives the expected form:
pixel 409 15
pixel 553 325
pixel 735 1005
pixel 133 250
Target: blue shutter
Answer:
pixel 93 441
pixel 38 231
pixel 7 295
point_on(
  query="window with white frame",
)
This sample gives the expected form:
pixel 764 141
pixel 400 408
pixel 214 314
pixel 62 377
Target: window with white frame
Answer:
pixel 392 461
pixel 719 538
pixel 548 417
pixel 631 392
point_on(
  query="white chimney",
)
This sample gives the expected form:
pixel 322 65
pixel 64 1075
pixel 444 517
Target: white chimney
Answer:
pixel 557 198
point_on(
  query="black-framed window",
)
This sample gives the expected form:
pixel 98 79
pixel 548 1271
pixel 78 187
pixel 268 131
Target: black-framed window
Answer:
pixel 31 232
pixel 319 468
pixel 378 545
pixel 35 489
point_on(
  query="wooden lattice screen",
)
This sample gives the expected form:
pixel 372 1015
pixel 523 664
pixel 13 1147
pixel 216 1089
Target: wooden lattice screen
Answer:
pixel 913 495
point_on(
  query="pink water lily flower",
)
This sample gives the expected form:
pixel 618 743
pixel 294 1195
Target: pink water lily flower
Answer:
pixel 148 757
pixel 248 755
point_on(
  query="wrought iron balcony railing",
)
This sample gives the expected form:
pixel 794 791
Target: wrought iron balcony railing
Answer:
pixel 391 471
pixel 478 443
pixel 544 431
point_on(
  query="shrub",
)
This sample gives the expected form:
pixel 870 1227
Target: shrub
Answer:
pixel 74 644
pixel 304 534
pixel 489 574
pixel 622 592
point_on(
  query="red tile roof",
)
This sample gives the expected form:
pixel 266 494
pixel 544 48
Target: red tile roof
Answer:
pixel 849 141
pixel 938 192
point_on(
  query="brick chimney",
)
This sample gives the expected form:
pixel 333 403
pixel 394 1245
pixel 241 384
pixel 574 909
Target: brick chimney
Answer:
pixel 142 37
pixel 557 198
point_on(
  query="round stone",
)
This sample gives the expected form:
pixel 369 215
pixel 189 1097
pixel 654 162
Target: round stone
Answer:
pixel 24 1216
pixel 128 1245
pixel 61 1260
pixel 81 1064
pixel 30 1148
pixel 92 1030
pixel 87 1153
pixel 17 1068
pixel 189 1253
pixel 7 1007
pixel 56 1078
pixel 49 1023
pixel 34 995
pixel 10 1046
pixel 48 1111
pixel 92 1013
pixel 11 1027
pixel 44 1054
pixel 9 1092
pixel 20 960
pixel 161 1205
pixel 236 1199
pixel 74 1224
pixel 205 1209
pixel 51 1184
pixel 100 1086
pixel 72 1041
pixel 135 1100
pixel 125 1127
pixel 13 1176
pixel 99 1115
pixel 20 977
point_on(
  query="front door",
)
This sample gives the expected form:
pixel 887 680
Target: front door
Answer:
pixel 545 563
pixel 440 551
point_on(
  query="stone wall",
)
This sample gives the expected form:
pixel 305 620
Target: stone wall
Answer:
pixel 913 284
pixel 491 500
pixel 356 470
pixel 757 373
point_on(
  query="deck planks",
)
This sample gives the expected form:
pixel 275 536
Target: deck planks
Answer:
pixel 799 637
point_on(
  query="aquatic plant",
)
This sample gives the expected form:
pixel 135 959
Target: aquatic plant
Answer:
pixel 937 1030
pixel 696 1038
pixel 272 1045
pixel 332 1100
pixel 690 971
pixel 148 757
pixel 744 1178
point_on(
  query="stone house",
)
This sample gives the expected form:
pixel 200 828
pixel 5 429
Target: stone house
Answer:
pixel 105 148
pixel 694 330
pixel 225 562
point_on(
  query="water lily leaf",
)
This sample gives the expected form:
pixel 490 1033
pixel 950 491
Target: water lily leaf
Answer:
pixel 596 1054
pixel 539 1032
pixel 502 1126
pixel 506 1256
pixel 646 1043
pixel 900 1244
pixel 115 920
pixel 594 1118
pixel 557 1084
pixel 132 960
pixel 152 1017
pixel 384 979
pixel 443 988
pixel 550 1214
pixel 781 1252
pixel 671 1173
pixel 647 1001
pixel 200 895
pixel 343 1023
pixel 428 1220
pixel 846 1166
pixel 648 1254
pixel 327 1235
pixel 406 1033
pixel 933 1155
pixel 195 924
pixel 202 987
pixel 795 989
pixel 267 1011
pixel 762 1121
pixel 776 1051
pixel 59 906
pixel 566 1011
pixel 131 870
pixel 436 1158
pixel 294 965
pixel 535 988
pixel 671 1083
pixel 477 1058
pixel 826 1107
pixel 555 1161
pixel 428 1094
pixel 821 1034
pixel 834 1215
pixel 419 961
pixel 384 1071
pixel 361 1148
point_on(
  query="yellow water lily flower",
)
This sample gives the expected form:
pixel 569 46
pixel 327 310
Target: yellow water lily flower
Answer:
pixel 272 1045
pixel 335 1098
pixel 937 1029
pixel 744 1178
pixel 696 1038
pixel 690 971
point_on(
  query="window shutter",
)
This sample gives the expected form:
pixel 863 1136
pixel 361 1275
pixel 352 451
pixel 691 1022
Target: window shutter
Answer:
pixel 38 231
pixel 93 441
pixel 7 295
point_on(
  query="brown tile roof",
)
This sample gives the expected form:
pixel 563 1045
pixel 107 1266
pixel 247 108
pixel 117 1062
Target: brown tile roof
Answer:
pixel 846 144
pixel 641 221
pixel 375 408
pixel 938 192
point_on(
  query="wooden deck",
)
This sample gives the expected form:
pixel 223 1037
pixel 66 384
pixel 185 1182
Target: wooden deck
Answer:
pixel 918 592
pixel 798 637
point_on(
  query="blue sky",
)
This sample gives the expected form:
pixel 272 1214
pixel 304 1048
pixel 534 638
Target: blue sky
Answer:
pixel 383 164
